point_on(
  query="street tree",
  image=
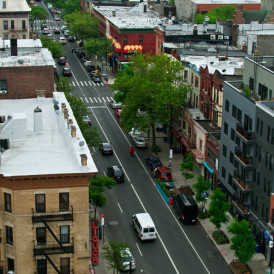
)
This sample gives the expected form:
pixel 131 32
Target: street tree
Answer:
pixel 218 208
pixel 201 188
pixel 224 12
pixel 187 167
pixel 243 243
pixel 71 6
pixel 97 186
pixel 54 47
pixel 113 253
pixel 82 25
pixel 64 85
pixel 37 13
pixel 152 91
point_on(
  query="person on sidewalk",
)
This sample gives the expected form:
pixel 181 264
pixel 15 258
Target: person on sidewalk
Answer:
pixel 71 50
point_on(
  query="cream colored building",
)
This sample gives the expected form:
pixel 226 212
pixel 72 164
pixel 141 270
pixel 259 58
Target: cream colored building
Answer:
pixel 14 19
pixel 45 168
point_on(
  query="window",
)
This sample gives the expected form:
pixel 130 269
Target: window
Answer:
pixel 192 78
pixel 258 178
pixel 230 179
pixel 185 75
pixel 252 199
pixel 239 115
pixel 237 140
pixel 225 128
pixel 264 184
pixel 256 150
pixel 41 235
pixel 64 234
pixel 63 201
pixel 231 157
pixel 260 154
pixel 268 189
pixel 196 82
pixel 234 111
pixel 6 36
pixel 223 172
pixel 40 203
pixel 5 25
pixel 268 133
pixel 256 203
pixel 262 213
pixel 258 125
pixel 211 156
pixel 251 83
pixel 262 126
pixel 12 24
pixel 10 264
pixel 232 134
pixel 125 40
pixel 24 36
pixel 270 162
pixel 23 24
pixel 9 235
pixel 200 144
pixel 65 265
pixel 224 150
pixel 7 198
pixel 3 84
pixel 254 174
pixel 141 39
pixel 42 266
pixel 266 159
pixel 266 212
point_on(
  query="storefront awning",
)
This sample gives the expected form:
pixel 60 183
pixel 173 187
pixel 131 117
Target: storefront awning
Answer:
pixel 198 155
pixel 208 167
pixel 133 48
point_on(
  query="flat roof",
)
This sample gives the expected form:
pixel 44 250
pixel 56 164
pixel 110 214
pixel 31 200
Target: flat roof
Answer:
pixel 226 2
pixel 15 6
pixel 45 147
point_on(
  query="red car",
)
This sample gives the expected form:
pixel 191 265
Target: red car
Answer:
pixel 118 113
pixel 163 173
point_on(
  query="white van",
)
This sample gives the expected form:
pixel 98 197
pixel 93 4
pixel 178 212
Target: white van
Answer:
pixel 144 226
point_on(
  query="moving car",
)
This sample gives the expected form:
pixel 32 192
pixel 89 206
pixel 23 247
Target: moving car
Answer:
pixel 144 226
pixel 134 132
pixel 57 19
pixel 44 26
pixel 86 120
pixel 71 38
pixel 116 173
pixel 62 61
pixel 153 162
pixel 62 40
pixel 115 104
pixel 57 31
pixel 46 31
pixel 163 173
pixel 66 71
pixel 139 142
pixel 66 33
pixel 106 148
pixel 63 28
pixel 96 79
pixel 126 260
pixel 117 113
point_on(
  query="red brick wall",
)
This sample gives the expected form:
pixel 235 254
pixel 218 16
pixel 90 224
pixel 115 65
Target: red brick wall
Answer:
pixel 22 82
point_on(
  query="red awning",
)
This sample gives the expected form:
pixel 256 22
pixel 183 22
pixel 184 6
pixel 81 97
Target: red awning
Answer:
pixel 133 48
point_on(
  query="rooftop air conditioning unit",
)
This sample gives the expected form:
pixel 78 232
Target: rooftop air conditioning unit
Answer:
pixel 212 37
pixel 226 37
pixel 3 92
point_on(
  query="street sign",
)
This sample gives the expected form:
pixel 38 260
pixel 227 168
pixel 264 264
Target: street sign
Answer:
pixel 170 153
pixel 102 219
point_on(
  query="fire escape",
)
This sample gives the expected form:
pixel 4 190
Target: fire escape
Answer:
pixel 52 249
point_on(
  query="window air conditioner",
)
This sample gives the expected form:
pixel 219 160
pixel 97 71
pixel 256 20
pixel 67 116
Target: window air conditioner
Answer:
pixel 3 92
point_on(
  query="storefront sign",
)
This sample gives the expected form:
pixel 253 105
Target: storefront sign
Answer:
pixel 94 241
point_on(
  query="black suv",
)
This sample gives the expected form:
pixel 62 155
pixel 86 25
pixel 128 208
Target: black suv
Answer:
pixel 116 173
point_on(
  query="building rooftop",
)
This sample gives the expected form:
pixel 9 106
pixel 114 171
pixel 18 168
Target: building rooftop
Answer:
pixel 29 53
pixel 227 67
pixel 42 144
pixel 208 126
pixel 130 18
pixel 15 6
pixel 226 2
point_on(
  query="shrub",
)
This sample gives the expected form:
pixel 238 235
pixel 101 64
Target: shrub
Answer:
pixel 160 183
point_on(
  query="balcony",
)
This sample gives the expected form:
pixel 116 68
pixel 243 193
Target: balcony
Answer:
pixel 241 209
pixel 243 184
pixel 51 248
pixel 246 135
pixel 52 216
pixel 244 158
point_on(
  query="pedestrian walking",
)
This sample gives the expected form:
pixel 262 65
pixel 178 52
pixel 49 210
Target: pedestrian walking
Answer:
pixel 71 50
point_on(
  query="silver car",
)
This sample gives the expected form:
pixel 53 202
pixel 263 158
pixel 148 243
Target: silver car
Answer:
pixel 115 104
pixel 139 142
pixel 127 260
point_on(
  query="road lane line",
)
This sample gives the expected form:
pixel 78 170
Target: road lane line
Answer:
pixel 159 237
pixel 120 207
pixel 139 249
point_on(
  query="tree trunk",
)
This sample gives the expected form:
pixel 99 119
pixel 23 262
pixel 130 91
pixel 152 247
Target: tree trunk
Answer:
pixel 153 138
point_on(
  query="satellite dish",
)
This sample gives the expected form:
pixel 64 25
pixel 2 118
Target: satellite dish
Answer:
pixel 81 143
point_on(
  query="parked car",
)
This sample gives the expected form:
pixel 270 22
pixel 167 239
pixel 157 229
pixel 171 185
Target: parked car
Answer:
pixel 163 173
pixel 81 54
pixel 97 79
pixel 86 120
pixel 106 148
pixel 57 18
pixel 66 33
pixel 44 26
pixel 116 173
pixel 139 142
pixel 115 104
pixel 153 162
pixel 66 71
pixel 46 31
pixel 62 40
pixel 57 31
pixel 50 6
pixel 126 260
pixel 90 67
pixel 71 38
pixel 62 61
pixel 134 132
pixel 84 59
pixel 211 50
pixel 117 113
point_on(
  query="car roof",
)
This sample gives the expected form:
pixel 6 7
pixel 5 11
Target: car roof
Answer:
pixel 116 168
pixel 145 219
pixel 163 168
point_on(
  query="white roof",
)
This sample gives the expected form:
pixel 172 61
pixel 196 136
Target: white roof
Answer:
pixel 49 150
pixel 213 63
pixel 145 220
pixel 226 2
pixel 15 6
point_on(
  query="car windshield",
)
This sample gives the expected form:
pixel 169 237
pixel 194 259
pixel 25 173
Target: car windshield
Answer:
pixel 118 172
pixel 154 161
pixel 140 139
pixel 106 146
pixel 166 174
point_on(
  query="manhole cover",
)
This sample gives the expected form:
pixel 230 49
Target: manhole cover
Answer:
pixel 113 223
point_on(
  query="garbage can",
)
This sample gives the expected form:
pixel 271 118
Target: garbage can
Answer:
pixel 258 248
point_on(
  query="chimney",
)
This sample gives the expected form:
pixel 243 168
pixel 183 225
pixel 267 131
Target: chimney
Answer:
pixel 73 131
pixel 38 120
pixel 114 13
pixel 13 46
pixel 70 122
pixel 63 105
pixel 66 113
pixel 84 159
pixel 41 93
pixel 145 8
pixel 195 30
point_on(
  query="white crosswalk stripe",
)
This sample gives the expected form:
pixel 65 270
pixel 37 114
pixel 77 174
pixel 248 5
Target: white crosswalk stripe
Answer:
pixel 91 100
pixel 90 83
pixel 109 99
pixel 99 99
pixel 86 83
pixel 95 99
pixel 104 99
pixel 86 99
pixel 73 83
pixel 81 83
pixel 82 99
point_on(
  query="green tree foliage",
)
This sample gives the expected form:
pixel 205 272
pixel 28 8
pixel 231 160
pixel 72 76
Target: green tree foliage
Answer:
pixel 37 13
pixel 112 253
pixel 187 167
pixel 82 25
pixel 200 187
pixel 243 243
pixel 98 46
pixel 96 188
pixel 224 12
pixel 218 208
pixel 54 47
pixel 72 6
pixel 64 85
pixel 151 89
